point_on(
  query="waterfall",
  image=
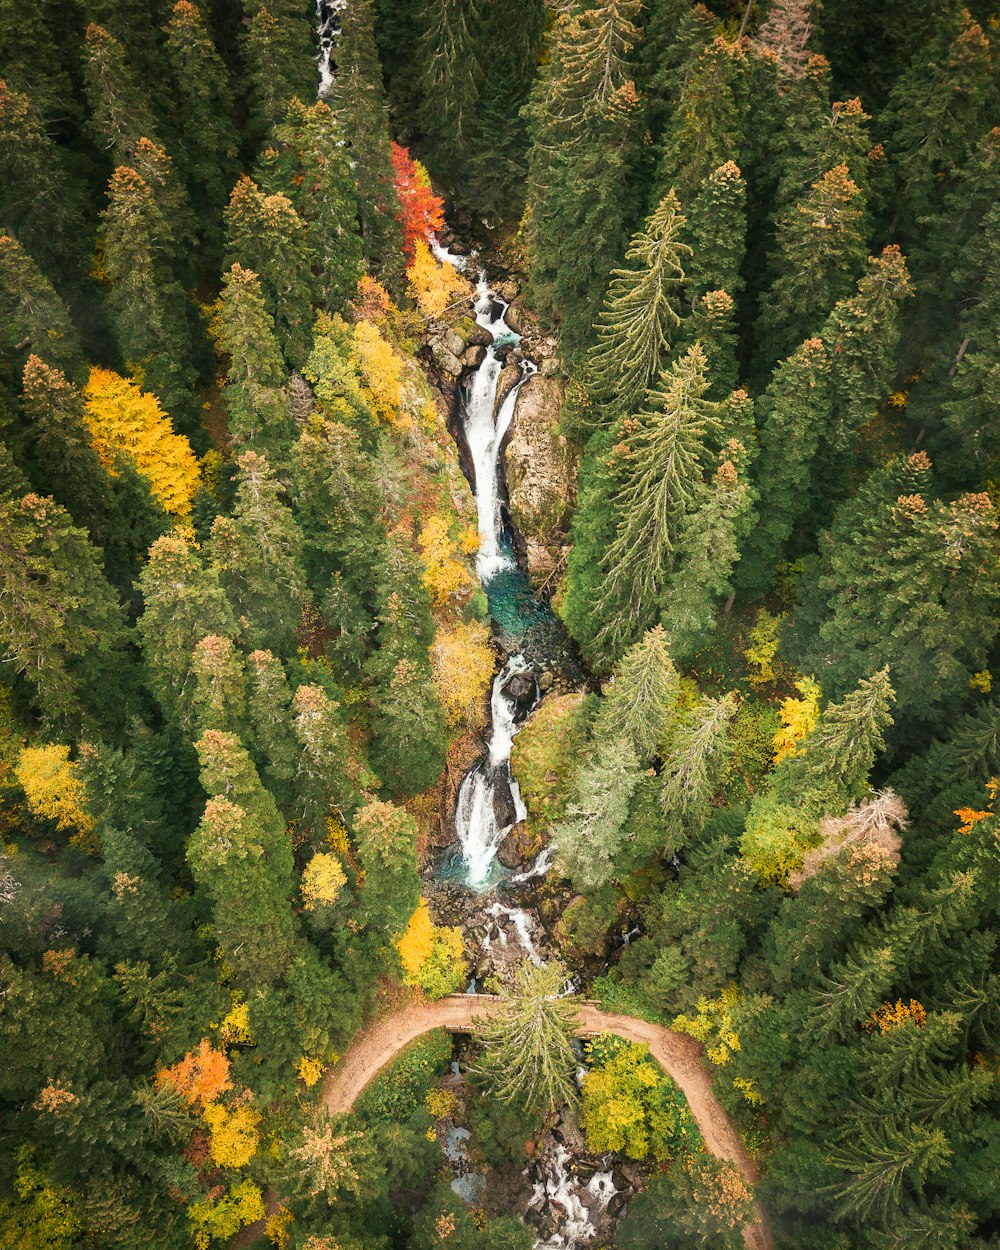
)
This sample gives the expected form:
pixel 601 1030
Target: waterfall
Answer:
pixel 328 17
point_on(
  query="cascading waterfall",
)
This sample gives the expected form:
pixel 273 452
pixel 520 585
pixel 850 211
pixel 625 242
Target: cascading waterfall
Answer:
pixel 328 18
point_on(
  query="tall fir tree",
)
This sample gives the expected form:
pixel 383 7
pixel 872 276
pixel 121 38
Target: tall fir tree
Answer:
pixel 279 50
pixel 451 79
pixel 581 116
pixel 359 99
pixel 35 320
pixel 30 60
pixel 120 109
pixel 641 316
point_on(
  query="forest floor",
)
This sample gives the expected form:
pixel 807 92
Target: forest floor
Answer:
pixel 678 1055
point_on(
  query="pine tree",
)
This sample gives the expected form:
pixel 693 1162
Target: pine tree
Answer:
pixel 150 309
pixel 640 316
pixel 639 703
pixel 34 319
pixel 322 788
pixel 120 109
pixel 257 554
pixel 580 118
pixel 241 855
pixel 386 839
pixel 820 251
pixel 359 100
pixel 844 996
pixel 692 766
pixel 786 32
pixel 202 106
pixel 281 60
pixel 715 230
pixel 30 60
pixel 136 25
pixel 183 604
pixel 60 621
pixel 307 161
pixel 33 171
pixel 655 479
pixel 795 412
pixel 528 1057
pixel 880 1160
pixel 907 581
pixel 265 235
pixel 271 738
pixel 590 836
pixel 450 78
pixel 220 694
pixel 254 394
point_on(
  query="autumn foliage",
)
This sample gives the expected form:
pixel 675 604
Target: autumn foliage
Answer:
pixel 201 1076
pixel 125 421
pixel 423 211
pixel 432 956
pixel 434 286
pixel 463 663
pixel 52 787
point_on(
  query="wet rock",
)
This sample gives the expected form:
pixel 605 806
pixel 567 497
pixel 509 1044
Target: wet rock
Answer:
pixel 509 378
pixel 618 1206
pixel 545 681
pixel 541 469
pixel 473 357
pixel 517 848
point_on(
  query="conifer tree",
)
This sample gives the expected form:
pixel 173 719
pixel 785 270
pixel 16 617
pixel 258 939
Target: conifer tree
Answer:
pixel 183 603
pixel 590 836
pixel 528 1057
pixel 640 316
pixel 820 251
pixel 450 78
pixel 359 99
pixel 307 161
pixel 271 738
pixel 254 393
pixel 322 787
pixel 60 621
pixel 715 231
pixel 136 24
pixel 35 321
pixel 697 750
pixel 386 838
pixel 265 235
pixel 149 307
pixel 120 109
pixel 257 554
pixel 580 117
pixel 281 60
pixel 220 694
pixel 241 854
pixel 639 703
pixel 203 104
pixel 786 32
pixel 33 172
pixel 30 60
pixel 795 412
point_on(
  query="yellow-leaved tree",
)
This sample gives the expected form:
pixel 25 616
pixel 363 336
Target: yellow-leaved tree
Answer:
pixel 234 1137
pixel 798 719
pixel 381 371
pixel 463 663
pixel 433 956
pixel 53 788
pixel 125 421
pixel 322 880
pixel 434 286
pixel 446 574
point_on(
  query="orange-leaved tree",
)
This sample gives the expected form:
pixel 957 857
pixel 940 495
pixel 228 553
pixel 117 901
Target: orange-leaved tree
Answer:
pixel 423 211
pixel 201 1076
pixel 125 421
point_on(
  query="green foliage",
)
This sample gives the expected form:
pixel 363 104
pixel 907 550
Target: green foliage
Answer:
pixel 397 1093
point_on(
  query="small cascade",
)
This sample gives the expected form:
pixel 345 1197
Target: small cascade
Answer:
pixel 559 1190
pixel 328 18
pixel 489 801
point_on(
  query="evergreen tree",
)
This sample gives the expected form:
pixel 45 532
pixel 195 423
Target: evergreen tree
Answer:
pixel 120 109
pixel 271 737
pixel 137 25
pixel 241 855
pixel 265 235
pixel 183 603
pixel 257 555
pixel 796 410
pixel 580 116
pixel 715 229
pixel 281 61
pixel 202 109
pixel 692 766
pixel 254 394
pixel 907 581
pixel 60 621
pixel 307 160
pixel 34 319
pixel 150 309
pixel 590 837
pixel 118 511
pixel 321 782
pixel 640 314
pixel 386 840
pixel 450 77
pixel 34 172
pixel 359 99
pixel 638 705
pixel 820 251
pixel 220 695
pixel 30 60
pixel 527 1055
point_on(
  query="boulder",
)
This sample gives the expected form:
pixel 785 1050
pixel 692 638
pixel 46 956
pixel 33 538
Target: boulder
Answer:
pixel 541 474
pixel 473 357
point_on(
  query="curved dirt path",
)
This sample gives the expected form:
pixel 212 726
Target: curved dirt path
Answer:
pixel 677 1054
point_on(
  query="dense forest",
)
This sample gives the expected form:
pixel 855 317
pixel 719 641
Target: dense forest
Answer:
pixel 267 648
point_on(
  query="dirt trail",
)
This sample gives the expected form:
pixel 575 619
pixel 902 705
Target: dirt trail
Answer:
pixel 678 1055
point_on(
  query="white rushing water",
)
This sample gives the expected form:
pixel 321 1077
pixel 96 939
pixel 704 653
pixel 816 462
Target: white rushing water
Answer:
pixel 559 1187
